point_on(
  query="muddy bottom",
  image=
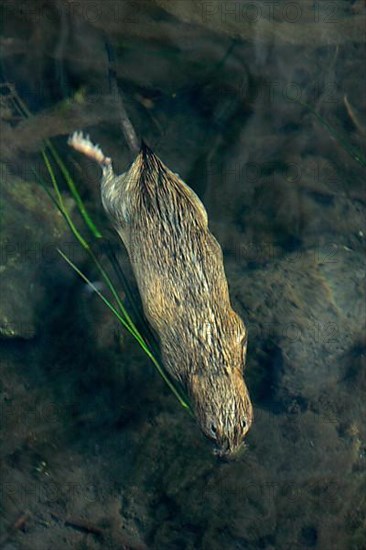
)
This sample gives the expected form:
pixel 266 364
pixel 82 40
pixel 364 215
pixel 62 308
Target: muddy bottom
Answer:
pixel 263 114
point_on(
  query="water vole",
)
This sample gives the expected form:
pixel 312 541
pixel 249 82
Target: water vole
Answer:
pixel 178 265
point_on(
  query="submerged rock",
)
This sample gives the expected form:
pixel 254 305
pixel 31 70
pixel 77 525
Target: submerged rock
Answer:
pixel 30 232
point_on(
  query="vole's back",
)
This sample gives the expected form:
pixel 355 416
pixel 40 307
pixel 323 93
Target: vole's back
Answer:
pixel 178 266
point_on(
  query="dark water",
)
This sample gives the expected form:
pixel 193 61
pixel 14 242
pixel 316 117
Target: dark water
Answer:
pixel 261 108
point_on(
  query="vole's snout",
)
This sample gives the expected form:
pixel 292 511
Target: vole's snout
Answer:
pixel 232 445
pixel 224 410
pixel 230 449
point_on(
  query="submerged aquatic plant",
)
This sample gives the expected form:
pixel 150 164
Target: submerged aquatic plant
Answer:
pixel 51 158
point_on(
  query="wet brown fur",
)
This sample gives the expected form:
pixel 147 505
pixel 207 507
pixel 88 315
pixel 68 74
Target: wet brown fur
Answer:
pixel 178 265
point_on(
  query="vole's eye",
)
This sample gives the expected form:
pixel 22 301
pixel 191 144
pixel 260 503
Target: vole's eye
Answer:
pixel 213 431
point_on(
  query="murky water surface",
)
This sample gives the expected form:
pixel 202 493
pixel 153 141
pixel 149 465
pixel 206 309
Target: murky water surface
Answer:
pixel 261 108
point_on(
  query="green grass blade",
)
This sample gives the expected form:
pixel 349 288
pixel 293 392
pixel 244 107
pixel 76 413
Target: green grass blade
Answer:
pixel 74 192
pixel 111 287
pixel 61 204
pixel 126 325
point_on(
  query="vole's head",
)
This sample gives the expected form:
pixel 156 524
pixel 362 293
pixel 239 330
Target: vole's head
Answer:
pixel 223 409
